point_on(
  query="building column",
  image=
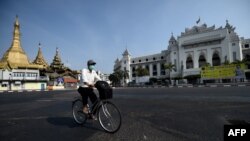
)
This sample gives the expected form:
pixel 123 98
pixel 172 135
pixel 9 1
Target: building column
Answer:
pixel 158 69
pixel 151 70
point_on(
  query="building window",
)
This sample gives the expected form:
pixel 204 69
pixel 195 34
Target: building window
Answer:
pixel 124 62
pixel 216 59
pixel 189 63
pixel 163 72
pixel 154 70
pixel 175 65
pixel 147 67
pixel 174 52
pixel 133 72
pixel 202 61
pixel 147 59
pixel 133 61
pixel 233 44
pixel 162 57
pixel 154 58
pixel 139 60
pixel 234 56
pixel 246 45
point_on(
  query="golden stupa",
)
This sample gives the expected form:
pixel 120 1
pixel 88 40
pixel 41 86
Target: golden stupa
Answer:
pixel 15 57
pixel 40 59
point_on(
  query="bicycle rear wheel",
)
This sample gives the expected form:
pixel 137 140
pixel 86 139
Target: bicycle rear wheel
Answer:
pixel 109 117
pixel 79 116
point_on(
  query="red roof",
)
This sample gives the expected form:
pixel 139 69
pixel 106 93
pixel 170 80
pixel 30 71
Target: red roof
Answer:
pixel 70 80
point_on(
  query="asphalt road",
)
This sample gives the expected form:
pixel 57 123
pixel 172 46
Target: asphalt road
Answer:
pixel 173 114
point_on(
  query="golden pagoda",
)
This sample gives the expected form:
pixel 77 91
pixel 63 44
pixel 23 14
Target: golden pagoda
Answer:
pixel 40 59
pixel 15 57
pixel 57 63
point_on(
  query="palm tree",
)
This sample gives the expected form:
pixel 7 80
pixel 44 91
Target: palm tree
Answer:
pixel 141 71
pixel 113 78
pixel 125 75
pixel 169 67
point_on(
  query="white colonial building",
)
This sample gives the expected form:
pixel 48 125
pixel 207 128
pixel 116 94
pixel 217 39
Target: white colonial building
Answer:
pixel 194 48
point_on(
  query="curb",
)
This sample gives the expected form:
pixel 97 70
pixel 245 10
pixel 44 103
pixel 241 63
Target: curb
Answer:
pixel 20 91
pixel 196 86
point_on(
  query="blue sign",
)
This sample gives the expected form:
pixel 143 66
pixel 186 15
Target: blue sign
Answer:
pixel 60 80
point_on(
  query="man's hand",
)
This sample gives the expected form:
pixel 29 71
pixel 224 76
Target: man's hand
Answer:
pixel 91 85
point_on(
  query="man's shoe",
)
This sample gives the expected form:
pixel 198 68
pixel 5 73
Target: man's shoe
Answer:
pixel 85 110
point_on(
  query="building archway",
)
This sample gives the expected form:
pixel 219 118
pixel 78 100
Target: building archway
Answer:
pixel 189 62
pixel 202 60
pixel 216 59
pixel 133 72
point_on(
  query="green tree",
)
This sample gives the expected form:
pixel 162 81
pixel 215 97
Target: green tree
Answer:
pixel 238 62
pixel 114 79
pixel 170 68
pixel 226 62
pixel 141 71
pixel 118 76
pixel 125 75
pixel 207 65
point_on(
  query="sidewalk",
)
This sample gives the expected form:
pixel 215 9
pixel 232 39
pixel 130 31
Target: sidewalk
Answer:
pixel 241 84
pixel 20 91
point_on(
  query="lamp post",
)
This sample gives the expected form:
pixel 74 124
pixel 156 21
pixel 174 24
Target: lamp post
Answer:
pixel 10 81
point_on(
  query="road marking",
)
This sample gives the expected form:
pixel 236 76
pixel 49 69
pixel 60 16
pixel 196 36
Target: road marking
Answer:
pixel 145 137
pixel 45 100
pixel 227 85
pixel 241 85
pixel 213 86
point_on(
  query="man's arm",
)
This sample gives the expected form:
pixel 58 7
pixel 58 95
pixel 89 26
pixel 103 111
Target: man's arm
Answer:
pixel 97 77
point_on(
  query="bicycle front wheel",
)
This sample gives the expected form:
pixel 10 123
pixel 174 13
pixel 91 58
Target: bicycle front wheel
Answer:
pixel 77 112
pixel 109 117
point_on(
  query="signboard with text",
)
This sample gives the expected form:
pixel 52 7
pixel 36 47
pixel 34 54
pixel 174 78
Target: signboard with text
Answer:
pixel 225 71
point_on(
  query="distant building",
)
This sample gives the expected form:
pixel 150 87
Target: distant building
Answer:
pixel 194 48
pixel 16 71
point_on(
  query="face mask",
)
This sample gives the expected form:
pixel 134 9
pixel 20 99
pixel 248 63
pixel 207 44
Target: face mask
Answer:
pixel 91 67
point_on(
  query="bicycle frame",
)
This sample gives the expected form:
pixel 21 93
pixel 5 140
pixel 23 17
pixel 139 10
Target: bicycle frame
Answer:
pixel 97 104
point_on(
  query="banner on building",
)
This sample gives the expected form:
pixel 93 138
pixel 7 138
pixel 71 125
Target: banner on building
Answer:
pixel 225 71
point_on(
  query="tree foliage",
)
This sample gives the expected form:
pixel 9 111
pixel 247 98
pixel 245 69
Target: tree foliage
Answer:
pixel 141 71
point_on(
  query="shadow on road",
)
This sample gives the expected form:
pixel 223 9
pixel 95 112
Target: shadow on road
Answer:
pixel 69 122
pixel 62 121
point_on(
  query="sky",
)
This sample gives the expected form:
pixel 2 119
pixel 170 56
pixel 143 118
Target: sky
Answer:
pixel 102 29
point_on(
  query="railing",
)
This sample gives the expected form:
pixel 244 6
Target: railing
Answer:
pixel 41 78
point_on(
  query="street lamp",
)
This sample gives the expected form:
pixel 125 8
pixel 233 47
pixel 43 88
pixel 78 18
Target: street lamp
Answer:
pixel 10 80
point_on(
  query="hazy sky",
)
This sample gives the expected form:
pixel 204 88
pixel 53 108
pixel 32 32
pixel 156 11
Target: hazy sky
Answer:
pixel 101 29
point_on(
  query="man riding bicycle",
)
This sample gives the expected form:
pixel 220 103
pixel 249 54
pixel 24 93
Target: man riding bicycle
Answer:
pixel 88 79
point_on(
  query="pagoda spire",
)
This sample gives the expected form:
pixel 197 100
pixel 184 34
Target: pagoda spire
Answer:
pixel 39 58
pixel 57 63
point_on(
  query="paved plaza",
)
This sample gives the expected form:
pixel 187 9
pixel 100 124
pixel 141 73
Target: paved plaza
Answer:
pixel 176 114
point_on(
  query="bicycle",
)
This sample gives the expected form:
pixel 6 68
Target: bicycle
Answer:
pixel 107 113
